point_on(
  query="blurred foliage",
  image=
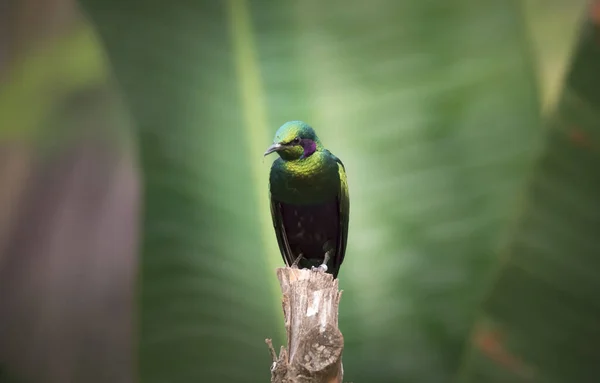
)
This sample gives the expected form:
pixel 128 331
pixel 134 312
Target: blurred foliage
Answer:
pixel 74 59
pixel 540 320
pixel 434 107
pixel 68 203
pixel 552 30
pixel 431 107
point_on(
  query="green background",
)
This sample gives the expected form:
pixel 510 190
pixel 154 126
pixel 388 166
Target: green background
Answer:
pixel 463 189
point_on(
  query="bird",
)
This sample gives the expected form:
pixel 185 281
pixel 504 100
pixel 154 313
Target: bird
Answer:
pixel 310 203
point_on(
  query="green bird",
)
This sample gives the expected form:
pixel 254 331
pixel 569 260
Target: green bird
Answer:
pixel 310 205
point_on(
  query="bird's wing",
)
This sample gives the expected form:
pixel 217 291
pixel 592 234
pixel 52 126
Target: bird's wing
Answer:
pixel 282 240
pixel 343 199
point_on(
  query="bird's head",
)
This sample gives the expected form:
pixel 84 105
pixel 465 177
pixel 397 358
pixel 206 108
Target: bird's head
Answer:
pixel 294 140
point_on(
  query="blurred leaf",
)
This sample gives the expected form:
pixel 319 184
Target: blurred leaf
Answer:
pixel 553 27
pixel 540 320
pixel 208 291
pixel 32 92
pixel 68 206
pixel 433 109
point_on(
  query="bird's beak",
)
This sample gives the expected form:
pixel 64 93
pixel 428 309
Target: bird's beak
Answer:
pixel 273 148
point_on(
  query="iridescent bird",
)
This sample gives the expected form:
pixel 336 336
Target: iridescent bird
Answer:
pixel 309 200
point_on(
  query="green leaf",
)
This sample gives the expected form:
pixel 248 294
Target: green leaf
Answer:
pixel 540 319
pixel 433 108
pixel 209 295
pixel 552 26
pixel 64 64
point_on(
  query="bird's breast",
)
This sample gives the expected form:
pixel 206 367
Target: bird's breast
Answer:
pixel 304 181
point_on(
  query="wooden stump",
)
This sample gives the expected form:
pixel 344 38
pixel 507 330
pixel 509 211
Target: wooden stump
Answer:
pixel 314 342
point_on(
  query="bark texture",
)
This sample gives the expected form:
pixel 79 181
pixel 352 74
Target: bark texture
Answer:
pixel 314 342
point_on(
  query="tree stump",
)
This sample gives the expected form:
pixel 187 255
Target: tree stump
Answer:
pixel 314 342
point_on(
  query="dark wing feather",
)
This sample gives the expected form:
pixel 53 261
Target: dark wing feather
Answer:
pixel 343 199
pixel 282 240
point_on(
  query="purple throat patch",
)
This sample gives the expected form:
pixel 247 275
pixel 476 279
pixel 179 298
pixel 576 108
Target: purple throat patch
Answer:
pixel 309 146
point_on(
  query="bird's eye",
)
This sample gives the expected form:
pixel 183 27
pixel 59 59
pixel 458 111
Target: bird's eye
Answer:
pixel 296 141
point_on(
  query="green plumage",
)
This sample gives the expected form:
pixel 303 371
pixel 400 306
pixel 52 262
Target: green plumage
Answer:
pixel 309 199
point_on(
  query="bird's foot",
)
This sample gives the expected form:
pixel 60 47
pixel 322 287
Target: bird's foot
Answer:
pixel 297 261
pixel 322 268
